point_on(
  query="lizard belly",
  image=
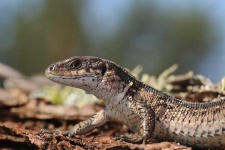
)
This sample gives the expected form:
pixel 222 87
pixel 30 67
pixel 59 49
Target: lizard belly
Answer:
pixel 119 110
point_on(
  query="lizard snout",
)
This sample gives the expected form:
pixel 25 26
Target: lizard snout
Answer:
pixel 51 69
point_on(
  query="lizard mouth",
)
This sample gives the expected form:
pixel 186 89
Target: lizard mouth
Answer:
pixel 50 75
pixel 55 73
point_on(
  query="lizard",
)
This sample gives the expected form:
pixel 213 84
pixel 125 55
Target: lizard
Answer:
pixel 145 110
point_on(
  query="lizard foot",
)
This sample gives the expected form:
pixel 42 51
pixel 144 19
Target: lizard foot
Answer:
pixel 131 139
pixel 56 132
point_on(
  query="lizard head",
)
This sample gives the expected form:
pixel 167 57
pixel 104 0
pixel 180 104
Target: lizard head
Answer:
pixel 80 71
pixel 96 76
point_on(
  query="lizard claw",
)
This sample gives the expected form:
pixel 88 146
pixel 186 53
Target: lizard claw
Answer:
pixel 131 139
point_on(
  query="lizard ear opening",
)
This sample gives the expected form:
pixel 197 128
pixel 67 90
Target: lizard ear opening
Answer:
pixel 103 69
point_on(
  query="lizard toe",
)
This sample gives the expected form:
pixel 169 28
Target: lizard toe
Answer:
pixel 130 139
pixel 46 131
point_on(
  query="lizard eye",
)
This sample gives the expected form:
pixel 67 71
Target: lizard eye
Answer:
pixel 76 64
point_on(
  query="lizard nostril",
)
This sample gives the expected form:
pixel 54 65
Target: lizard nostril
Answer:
pixel 51 67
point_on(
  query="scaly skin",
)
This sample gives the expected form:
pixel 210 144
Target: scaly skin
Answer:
pixel 145 110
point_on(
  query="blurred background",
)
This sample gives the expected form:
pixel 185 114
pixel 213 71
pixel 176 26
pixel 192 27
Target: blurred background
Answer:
pixel 154 34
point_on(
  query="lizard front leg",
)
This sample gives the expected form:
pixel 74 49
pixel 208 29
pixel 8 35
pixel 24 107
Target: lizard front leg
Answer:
pixel 88 125
pixel 147 115
pixel 85 126
pixel 148 120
